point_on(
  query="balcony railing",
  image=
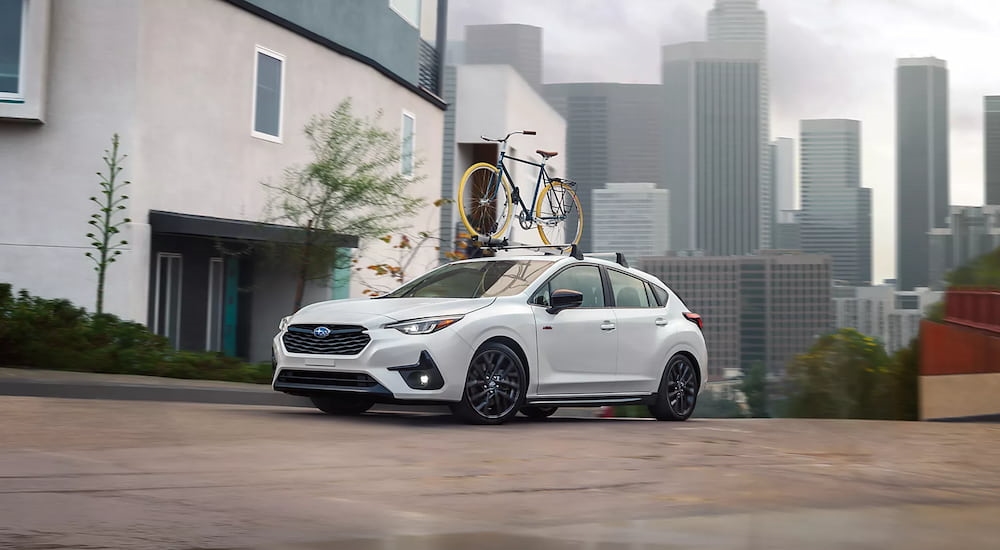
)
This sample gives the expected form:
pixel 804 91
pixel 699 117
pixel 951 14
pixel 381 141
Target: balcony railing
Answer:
pixel 429 70
pixel 974 308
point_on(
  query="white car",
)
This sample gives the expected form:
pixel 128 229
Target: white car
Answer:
pixel 495 336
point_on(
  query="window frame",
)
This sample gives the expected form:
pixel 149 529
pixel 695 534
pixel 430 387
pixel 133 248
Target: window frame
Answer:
pixel 420 11
pixel 646 290
pixel 160 284
pixel 259 50
pixel 19 95
pixel 413 144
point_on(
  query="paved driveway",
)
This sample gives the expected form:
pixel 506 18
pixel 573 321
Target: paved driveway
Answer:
pixel 125 474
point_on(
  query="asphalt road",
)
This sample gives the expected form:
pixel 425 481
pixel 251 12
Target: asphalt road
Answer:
pixel 90 474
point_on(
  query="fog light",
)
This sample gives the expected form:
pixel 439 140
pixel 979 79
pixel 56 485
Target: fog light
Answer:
pixel 424 375
pixel 424 379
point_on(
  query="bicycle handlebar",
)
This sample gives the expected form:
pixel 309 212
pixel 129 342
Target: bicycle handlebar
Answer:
pixel 525 132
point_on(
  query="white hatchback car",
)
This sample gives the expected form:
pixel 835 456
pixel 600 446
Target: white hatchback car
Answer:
pixel 495 336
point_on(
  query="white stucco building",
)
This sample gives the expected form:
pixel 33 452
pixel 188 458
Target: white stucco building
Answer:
pixel 210 98
pixel 492 100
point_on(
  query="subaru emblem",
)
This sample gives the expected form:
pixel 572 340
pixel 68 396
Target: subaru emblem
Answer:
pixel 321 332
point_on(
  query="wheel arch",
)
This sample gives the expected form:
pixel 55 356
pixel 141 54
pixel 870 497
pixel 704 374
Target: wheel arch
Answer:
pixel 687 351
pixel 513 345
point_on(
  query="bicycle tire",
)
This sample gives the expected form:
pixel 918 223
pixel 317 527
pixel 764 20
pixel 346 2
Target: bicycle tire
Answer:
pixel 554 206
pixel 482 223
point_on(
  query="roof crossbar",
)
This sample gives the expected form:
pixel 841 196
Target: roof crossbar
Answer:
pixel 504 244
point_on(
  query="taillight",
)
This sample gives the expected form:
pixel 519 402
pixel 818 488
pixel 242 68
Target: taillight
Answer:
pixel 694 318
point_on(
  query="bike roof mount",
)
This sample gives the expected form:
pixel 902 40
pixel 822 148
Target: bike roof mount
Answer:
pixel 505 244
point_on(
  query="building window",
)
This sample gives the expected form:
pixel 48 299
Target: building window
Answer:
pixel 269 82
pixel 167 308
pixel 409 10
pixel 407 137
pixel 11 38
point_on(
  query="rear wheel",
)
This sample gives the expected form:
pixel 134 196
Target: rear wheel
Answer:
pixel 341 405
pixel 538 412
pixel 678 390
pixel 558 214
pixel 494 387
pixel 484 201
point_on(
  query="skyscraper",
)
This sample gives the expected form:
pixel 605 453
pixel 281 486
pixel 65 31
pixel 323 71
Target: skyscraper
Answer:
pixel 519 46
pixel 631 218
pixel 712 146
pixel 742 21
pixel 991 147
pixel 836 210
pixel 612 133
pixel 921 164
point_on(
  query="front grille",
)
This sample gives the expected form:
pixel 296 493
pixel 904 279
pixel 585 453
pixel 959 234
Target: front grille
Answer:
pixel 343 340
pixel 326 378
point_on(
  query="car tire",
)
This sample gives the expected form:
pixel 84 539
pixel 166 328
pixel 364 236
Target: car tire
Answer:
pixel 678 392
pixel 538 412
pixel 342 405
pixel 495 386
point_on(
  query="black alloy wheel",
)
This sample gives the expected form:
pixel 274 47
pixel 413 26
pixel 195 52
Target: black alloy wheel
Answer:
pixel 678 390
pixel 494 387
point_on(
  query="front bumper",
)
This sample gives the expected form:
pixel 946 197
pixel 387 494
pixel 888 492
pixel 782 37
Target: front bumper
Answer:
pixel 391 368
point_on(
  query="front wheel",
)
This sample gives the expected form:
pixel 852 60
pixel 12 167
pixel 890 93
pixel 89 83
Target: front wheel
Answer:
pixel 678 390
pixel 558 214
pixel 484 201
pixel 494 387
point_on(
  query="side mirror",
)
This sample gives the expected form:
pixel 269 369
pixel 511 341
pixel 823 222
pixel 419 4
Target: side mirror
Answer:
pixel 564 299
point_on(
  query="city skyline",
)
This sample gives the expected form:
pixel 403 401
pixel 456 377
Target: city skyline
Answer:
pixel 827 60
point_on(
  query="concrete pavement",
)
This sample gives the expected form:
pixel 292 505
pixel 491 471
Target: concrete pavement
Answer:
pixel 123 474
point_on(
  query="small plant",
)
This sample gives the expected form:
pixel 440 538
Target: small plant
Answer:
pixel 109 202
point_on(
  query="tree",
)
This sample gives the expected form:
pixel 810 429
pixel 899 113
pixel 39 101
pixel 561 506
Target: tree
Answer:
pixel 109 203
pixel 844 375
pixel 353 186
pixel 754 387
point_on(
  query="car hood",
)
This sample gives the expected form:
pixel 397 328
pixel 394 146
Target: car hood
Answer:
pixel 370 312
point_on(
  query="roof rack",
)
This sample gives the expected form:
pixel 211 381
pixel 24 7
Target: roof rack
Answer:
pixel 504 244
pixel 617 257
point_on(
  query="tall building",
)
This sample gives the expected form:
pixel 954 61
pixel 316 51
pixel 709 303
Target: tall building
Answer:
pixel 788 230
pixel 742 21
pixel 882 312
pixel 836 210
pixel 519 46
pixel 712 146
pixel 782 163
pixel 767 307
pixel 631 218
pixel 921 164
pixel 199 268
pixel 613 132
pixel 971 232
pixel 991 147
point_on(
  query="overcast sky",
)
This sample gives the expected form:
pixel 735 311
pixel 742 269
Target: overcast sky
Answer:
pixel 828 59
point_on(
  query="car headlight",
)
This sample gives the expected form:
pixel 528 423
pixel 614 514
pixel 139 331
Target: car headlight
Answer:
pixel 283 323
pixel 426 325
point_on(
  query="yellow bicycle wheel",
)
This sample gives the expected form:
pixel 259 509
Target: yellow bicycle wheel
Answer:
pixel 558 214
pixel 484 201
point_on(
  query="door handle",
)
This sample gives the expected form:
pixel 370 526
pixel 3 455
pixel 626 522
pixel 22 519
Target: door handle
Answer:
pixel 661 322
pixel 607 325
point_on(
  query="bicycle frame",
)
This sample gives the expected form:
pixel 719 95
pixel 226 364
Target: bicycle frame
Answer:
pixel 502 171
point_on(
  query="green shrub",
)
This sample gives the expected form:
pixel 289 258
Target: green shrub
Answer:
pixel 56 335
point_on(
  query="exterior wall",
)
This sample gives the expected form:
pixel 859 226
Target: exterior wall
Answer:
pixel 493 100
pixel 921 164
pixel 893 317
pixel 836 210
pixel 959 373
pixel 613 133
pixel 788 230
pixel 49 169
pixel 783 175
pixel 713 151
pixel 991 148
pixel 631 218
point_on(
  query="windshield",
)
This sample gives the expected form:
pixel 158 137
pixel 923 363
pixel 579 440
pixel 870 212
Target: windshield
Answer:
pixel 484 279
